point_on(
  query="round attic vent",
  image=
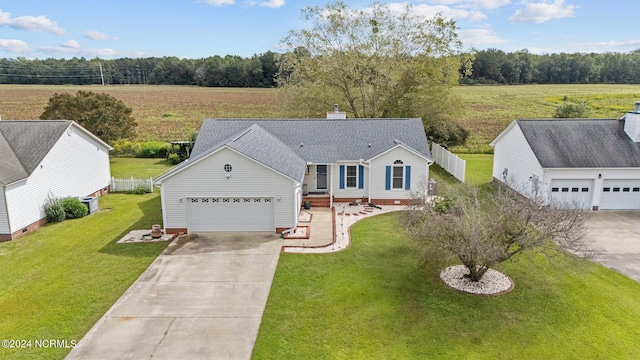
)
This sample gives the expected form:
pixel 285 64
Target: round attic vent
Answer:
pixel 227 168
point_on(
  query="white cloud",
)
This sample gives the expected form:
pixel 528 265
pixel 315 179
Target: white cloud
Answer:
pixel 30 23
pixel 71 44
pixel 15 46
pixel 220 2
pixel 97 35
pixel 274 4
pixel 604 46
pixel 479 37
pixel 543 11
pixel 473 4
pixel 446 11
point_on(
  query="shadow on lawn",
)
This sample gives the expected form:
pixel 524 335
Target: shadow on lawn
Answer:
pixel 151 214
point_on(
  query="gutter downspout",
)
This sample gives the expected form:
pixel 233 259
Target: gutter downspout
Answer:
pixel 369 182
pixel 298 201
pixel 331 187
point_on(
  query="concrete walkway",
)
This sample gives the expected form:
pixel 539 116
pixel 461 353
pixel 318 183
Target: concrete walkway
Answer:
pixel 345 216
pixel 203 298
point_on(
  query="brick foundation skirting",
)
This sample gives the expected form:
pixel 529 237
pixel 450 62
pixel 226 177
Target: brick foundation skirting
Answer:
pixel 335 199
pixel 176 231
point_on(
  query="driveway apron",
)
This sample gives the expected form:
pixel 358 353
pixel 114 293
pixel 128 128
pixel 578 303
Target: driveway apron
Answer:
pixel 201 299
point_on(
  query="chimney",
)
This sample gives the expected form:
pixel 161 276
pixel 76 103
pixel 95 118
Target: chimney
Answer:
pixel 336 115
pixel 632 123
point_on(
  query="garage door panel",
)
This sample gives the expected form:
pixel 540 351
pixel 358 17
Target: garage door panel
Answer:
pixel 231 214
pixel 570 192
pixel 620 195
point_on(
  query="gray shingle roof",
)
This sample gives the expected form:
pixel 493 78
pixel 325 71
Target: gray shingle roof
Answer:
pixel 580 143
pixel 24 144
pixel 322 140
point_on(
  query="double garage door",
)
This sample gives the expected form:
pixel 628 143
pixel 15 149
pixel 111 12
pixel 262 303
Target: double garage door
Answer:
pixel 208 214
pixel 620 195
pixel 615 195
pixel 572 192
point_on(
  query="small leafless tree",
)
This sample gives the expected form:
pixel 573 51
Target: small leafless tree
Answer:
pixel 482 227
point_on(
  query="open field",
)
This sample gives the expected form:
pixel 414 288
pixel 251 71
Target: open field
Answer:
pixel 372 301
pixel 168 112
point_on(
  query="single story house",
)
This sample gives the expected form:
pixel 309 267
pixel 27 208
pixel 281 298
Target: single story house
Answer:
pixel 594 163
pixel 46 158
pixel 251 175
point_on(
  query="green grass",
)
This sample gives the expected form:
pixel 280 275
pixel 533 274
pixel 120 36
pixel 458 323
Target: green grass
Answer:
pixel 478 168
pixel 58 281
pixel 138 168
pixel 372 302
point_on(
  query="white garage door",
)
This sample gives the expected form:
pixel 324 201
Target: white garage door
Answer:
pixel 620 195
pixel 570 192
pixel 231 214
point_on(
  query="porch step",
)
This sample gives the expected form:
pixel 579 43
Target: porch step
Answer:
pixel 317 201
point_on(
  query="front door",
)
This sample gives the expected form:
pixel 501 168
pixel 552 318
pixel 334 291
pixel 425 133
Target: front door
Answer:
pixel 321 177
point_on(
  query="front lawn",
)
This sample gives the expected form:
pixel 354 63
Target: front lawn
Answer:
pixel 372 302
pixel 58 281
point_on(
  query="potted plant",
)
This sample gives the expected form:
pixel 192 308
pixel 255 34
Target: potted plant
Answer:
pixel 307 205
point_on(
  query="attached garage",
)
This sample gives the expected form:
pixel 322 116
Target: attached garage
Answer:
pixel 230 214
pixel 572 191
pixel 620 194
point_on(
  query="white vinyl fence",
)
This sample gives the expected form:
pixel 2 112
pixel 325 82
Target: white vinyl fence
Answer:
pixel 448 161
pixel 123 185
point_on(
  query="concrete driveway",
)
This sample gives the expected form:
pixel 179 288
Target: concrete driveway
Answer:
pixel 615 237
pixel 203 298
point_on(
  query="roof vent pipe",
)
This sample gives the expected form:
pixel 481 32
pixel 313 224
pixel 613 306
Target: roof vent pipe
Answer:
pixel 636 108
pixel 335 107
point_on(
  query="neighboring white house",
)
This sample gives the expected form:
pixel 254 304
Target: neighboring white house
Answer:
pixel 253 175
pixel 593 162
pixel 39 158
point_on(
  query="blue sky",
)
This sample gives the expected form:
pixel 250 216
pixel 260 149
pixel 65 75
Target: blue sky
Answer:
pixel 202 28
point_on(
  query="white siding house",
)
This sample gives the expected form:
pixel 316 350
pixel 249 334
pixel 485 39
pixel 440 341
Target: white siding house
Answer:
pixel 592 163
pixel 276 162
pixel 46 158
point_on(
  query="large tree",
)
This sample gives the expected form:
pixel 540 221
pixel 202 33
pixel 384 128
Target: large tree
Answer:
pixel 481 228
pixel 382 61
pixel 105 116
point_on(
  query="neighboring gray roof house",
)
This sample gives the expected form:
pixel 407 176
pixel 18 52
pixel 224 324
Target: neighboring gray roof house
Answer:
pixel 580 143
pixel 23 145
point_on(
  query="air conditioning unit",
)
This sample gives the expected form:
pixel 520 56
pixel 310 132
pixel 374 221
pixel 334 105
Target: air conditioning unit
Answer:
pixel 91 202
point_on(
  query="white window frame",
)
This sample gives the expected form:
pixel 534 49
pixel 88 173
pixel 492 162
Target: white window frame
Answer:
pixel 393 177
pixel 346 177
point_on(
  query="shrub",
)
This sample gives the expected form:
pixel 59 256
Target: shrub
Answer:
pixel 151 149
pixel 53 210
pixel 174 159
pixel 140 190
pixel 123 148
pixel 74 208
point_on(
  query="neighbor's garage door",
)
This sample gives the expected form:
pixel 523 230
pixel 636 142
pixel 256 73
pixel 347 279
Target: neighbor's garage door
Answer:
pixel 620 195
pixel 571 192
pixel 231 214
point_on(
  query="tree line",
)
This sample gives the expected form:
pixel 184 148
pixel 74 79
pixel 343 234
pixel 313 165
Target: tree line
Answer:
pixel 491 66
pixel 257 71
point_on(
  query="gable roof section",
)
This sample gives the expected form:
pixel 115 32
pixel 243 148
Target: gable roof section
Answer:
pixel 580 143
pixel 322 140
pixel 257 144
pixel 24 144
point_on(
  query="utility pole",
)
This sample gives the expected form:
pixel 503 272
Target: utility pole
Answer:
pixel 101 75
